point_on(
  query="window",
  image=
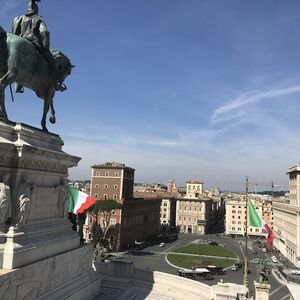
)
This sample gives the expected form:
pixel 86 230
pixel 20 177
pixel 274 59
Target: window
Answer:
pixel 179 218
pixel 106 173
pixel 96 185
pixel 115 197
pixel 97 173
pixel 112 221
pixel 105 196
pixel 165 204
pixel 190 208
pixel 183 218
pixel 106 186
pixel 117 174
pixel 95 195
pixel 115 186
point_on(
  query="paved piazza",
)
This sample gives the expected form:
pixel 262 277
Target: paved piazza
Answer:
pixel 152 258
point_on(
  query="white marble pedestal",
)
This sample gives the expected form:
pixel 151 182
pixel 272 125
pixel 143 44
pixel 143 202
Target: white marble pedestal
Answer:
pixel 40 254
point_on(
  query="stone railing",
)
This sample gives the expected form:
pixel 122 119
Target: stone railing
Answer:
pixel 172 285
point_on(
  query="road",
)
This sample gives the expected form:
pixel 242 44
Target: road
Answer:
pixel 152 258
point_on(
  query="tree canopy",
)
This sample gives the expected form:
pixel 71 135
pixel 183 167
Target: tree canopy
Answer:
pixel 104 206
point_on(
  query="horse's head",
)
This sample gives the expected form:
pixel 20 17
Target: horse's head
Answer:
pixel 63 64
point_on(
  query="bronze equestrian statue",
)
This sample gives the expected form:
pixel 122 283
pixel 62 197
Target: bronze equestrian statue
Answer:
pixel 25 58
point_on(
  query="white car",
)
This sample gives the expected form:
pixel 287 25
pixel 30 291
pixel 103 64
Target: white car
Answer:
pixel 296 272
pixel 161 245
pixel 274 260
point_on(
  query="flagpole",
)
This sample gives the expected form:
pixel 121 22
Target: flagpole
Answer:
pixel 246 281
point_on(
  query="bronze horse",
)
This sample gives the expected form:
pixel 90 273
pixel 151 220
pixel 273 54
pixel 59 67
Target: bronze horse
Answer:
pixel 20 62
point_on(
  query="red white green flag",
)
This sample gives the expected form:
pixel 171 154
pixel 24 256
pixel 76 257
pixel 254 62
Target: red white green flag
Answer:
pixel 79 201
pixel 255 220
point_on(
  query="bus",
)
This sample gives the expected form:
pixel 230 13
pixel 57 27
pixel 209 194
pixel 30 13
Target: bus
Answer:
pixel 214 270
pixel 199 274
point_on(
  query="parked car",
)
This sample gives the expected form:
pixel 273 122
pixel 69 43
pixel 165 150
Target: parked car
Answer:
pixel 161 245
pixel 235 268
pixel 238 264
pixel 264 250
pixel 274 260
pixel 213 243
pixel 295 272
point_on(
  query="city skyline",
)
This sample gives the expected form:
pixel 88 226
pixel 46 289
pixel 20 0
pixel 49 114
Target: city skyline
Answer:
pixel 197 90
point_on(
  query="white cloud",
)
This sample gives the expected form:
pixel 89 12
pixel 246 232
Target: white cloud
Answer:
pixel 220 114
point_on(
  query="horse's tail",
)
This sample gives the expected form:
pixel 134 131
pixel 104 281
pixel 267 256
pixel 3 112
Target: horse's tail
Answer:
pixel 3 51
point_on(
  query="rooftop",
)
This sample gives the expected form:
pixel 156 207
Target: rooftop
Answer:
pixel 112 165
pixel 192 181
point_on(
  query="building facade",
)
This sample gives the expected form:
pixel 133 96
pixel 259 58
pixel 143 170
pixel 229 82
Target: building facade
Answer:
pixel 140 220
pixel 194 188
pixel 287 220
pixel 194 215
pixel 235 217
pixel 115 181
pixel 168 212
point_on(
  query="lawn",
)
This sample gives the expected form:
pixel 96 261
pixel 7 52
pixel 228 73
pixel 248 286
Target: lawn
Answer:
pixel 206 250
pixel 188 261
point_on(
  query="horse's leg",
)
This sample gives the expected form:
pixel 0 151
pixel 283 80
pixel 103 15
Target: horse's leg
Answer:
pixel 45 111
pixel 52 119
pixel 7 79
pixel 48 99
pixel 3 114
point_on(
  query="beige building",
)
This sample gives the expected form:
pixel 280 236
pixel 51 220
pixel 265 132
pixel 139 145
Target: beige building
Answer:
pixel 194 188
pixel 194 215
pixel 235 220
pixel 287 220
pixel 194 211
pixel 168 212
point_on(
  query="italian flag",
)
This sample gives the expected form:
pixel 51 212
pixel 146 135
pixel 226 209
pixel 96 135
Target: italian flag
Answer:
pixel 79 201
pixel 255 220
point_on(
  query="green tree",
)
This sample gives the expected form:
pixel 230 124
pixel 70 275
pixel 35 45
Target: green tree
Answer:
pixel 106 207
pixel 97 234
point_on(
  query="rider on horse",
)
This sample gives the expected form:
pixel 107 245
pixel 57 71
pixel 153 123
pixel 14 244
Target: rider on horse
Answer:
pixel 32 27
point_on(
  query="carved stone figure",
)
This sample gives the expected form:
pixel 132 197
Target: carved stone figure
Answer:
pixel 33 27
pixel 5 200
pixel 25 192
pixel 63 199
pixel 23 211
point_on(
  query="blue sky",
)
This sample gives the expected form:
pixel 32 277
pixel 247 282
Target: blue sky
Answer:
pixel 176 89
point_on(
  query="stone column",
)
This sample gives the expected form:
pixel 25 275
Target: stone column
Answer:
pixel 261 290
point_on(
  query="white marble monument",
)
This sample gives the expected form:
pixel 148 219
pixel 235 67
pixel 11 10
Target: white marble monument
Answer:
pixel 40 254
